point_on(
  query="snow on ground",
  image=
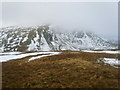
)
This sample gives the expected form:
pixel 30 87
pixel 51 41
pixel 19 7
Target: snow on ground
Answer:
pixel 111 61
pixel 110 52
pixel 4 58
pixel 52 53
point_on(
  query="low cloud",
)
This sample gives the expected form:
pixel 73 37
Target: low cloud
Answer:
pixel 101 18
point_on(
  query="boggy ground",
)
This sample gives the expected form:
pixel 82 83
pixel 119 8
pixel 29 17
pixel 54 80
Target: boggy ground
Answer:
pixel 67 70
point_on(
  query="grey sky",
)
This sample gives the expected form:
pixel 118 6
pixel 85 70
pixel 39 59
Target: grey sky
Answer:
pixel 99 17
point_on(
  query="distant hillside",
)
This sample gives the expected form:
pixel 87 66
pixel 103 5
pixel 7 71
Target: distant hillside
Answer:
pixel 42 38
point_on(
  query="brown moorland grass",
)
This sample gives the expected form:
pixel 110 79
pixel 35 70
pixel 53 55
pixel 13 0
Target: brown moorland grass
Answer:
pixel 67 70
pixel 106 50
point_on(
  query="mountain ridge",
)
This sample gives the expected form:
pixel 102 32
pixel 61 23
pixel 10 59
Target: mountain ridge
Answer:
pixel 43 38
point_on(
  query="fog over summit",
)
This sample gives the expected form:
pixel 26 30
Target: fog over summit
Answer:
pixel 44 38
pixel 101 18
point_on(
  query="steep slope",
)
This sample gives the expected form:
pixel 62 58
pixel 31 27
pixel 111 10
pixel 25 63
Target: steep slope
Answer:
pixel 42 38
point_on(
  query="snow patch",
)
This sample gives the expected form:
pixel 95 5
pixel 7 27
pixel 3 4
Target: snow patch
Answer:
pixel 52 53
pixel 25 39
pixel 110 52
pixel 44 46
pixel 111 61
pixel 12 56
pixel 32 46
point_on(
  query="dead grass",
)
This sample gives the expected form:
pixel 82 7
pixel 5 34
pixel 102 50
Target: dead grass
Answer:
pixel 67 70
pixel 107 50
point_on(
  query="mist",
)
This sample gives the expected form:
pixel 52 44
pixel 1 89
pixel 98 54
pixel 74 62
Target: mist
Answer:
pixel 97 17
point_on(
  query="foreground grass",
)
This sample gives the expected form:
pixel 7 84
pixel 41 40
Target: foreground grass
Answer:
pixel 67 70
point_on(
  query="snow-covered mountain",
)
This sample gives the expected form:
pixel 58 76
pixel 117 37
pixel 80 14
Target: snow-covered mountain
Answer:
pixel 43 38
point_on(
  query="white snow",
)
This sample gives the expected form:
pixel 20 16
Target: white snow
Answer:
pixel 44 46
pixel 51 53
pixel 2 48
pixel 111 61
pixel 32 46
pixel 9 39
pixel 110 52
pixel 25 39
pixel 5 58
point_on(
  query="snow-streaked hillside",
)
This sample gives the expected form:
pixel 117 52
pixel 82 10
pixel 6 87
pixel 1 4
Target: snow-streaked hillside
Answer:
pixel 43 38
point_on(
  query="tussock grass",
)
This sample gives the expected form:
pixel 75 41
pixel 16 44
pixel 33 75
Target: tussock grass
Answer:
pixel 107 50
pixel 67 70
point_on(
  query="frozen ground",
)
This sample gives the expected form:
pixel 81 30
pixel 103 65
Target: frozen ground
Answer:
pixel 12 55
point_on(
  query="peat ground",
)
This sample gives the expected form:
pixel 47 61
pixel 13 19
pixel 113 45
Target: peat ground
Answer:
pixel 66 70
